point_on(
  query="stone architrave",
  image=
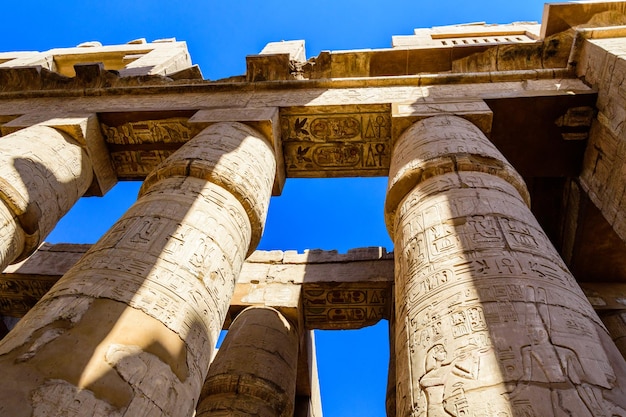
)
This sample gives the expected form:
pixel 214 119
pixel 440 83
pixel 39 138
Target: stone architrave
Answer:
pixel 489 321
pixel 131 328
pixel 43 172
pixel 254 371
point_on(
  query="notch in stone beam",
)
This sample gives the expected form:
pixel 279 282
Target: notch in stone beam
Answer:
pixel 277 61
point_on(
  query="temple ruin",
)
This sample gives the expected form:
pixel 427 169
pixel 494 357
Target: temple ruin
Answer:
pixel 505 149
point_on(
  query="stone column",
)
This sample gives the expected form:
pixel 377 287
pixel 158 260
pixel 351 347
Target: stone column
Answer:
pixel 131 328
pixel 615 322
pixel 254 372
pixel 390 397
pixel 488 319
pixel 43 172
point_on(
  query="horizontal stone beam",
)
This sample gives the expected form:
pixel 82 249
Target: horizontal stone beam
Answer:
pixel 332 290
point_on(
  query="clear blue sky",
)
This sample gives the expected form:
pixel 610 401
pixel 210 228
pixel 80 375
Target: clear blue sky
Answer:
pixel 327 214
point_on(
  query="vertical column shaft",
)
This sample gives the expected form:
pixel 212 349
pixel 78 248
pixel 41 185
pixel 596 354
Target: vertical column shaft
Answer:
pixel 489 321
pixel 43 172
pixel 254 372
pixel 615 322
pixel 130 329
pixel 390 398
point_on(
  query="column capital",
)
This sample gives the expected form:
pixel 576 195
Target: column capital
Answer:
pixel 420 154
pixel 85 129
pixel 265 120
pixel 233 156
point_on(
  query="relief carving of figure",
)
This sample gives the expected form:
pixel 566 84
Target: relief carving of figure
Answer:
pixel 570 391
pixel 442 377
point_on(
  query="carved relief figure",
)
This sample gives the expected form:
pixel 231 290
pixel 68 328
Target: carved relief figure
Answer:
pixel 571 392
pixel 439 380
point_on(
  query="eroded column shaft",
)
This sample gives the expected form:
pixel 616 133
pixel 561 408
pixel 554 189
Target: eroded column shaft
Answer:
pixel 43 172
pixel 130 329
pixel 615 322
pixel 254 372
pixel 488 319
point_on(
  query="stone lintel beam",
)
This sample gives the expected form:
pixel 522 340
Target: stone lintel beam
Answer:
pixel 264 120
pixel 140 130
pixel 334 291
pixel 605 295
pixel 319 282
pixel 85 129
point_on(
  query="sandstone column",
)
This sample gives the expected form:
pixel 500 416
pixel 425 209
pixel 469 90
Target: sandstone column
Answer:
pixel 254 372
pixel 130 329
pixel 488 319
pixel 43 172
pixel 615 322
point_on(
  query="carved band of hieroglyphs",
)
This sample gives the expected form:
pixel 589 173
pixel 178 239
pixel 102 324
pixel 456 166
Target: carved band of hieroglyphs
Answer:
pixel 172 130
pixel 166 270
pixel 233 156
pixel 489 319
pixel 337 139
pixel 136 148
pixel 345 306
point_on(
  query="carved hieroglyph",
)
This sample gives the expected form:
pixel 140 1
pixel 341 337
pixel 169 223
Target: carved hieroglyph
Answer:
pixel 130 329
pixel 254 372
pixel 43 172
pixel 336 140
pixel 488 319
pixel 138 147
pixel 345 306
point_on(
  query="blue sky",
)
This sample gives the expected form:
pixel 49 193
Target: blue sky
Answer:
pixel 326 214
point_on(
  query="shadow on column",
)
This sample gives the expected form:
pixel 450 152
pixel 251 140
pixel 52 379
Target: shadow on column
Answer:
pixel 489 319
pixel 130 329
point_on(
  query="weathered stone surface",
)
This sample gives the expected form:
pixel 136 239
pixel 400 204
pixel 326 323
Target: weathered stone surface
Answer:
pixel 85 129
pixel 339 291
pixel 488 319
pixel 254 372
pixel 169 267
pixel 615 322
pixel 506 322
pixel 43 172
pixel 130 60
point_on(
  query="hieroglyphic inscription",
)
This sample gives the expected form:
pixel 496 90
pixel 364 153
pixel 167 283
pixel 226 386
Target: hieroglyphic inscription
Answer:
pixel 139 163
pixel 168 266
pixel 138 147
pixel 18 295
pixel 336 141
pixel 173 130
pixel 345 306
pixel 492 321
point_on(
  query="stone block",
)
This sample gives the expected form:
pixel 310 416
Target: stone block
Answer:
pixel 85 129
pixel 264 120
